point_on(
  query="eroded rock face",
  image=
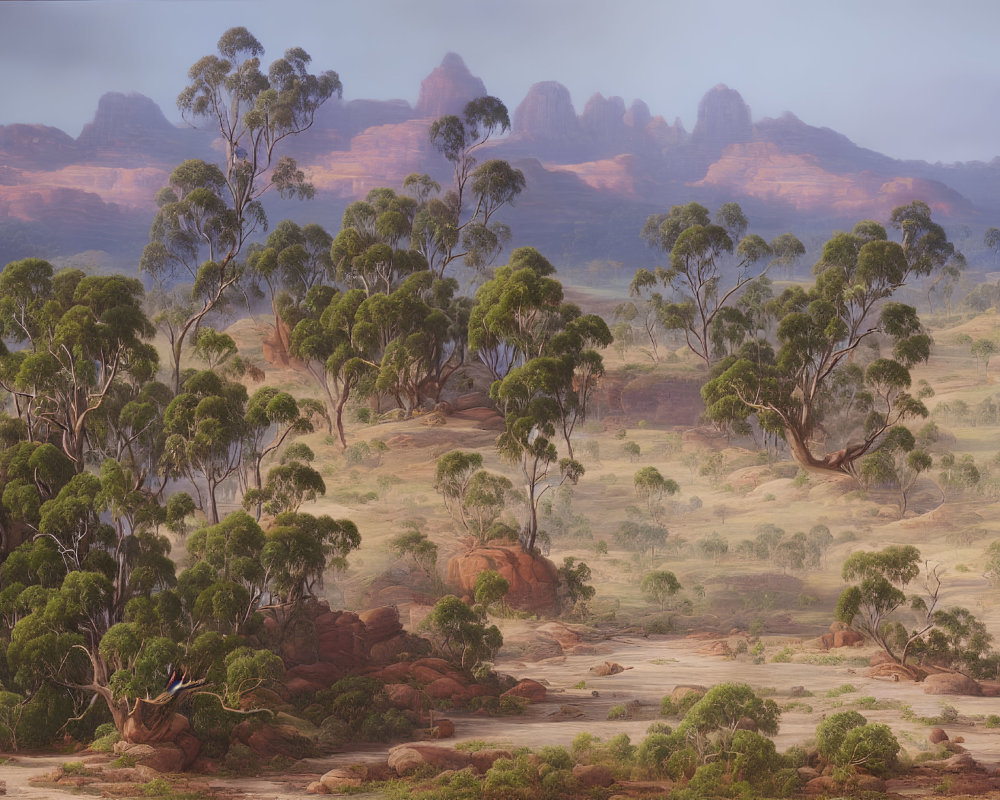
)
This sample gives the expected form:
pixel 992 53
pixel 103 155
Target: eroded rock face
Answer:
pixel 533 579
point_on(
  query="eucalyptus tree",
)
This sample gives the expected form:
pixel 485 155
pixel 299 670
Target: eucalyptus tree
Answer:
pixel 81 339
pixel 323 339
pixel 207 214
pixel 414 338
pixel 205 426
pixel 461 224
pixel 290 263
pixel 816 377
pixel 529 428
pixel 369 253
pixel 271 416
pixel 897 463
pixel 517 312
pixel 698 249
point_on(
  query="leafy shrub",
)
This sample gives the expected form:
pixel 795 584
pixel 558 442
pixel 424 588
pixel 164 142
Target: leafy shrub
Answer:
pixel 872 746
pixel 512 705
pixel 832 731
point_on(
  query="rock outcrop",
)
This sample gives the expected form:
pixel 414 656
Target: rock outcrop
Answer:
pixel 533 579
pixel 320 646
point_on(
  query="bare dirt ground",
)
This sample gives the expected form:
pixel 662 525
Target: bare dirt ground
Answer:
pixel 654 666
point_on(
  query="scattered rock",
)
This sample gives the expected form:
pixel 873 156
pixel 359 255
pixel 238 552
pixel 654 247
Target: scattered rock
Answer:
pixel 869 783
pixel 338 779
pixel 316 787
pixel 568 711
pixel 531 690
pixel 406 758
pixel 482 760
pixel 442 729
pixel 680 692
pixel 824 784
pixel 847 638
pixel 718 648
pixel 937 735
pixel 951 683
pixel 447 689
pixel 807 773
pixel 591 775
pixel 608 668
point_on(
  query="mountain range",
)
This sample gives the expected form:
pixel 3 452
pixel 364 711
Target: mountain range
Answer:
pixel 592 177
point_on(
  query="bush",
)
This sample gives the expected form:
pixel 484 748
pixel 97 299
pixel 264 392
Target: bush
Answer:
pixel 617 712
pixel 832 731
pixel 670 709
pixel 511 704
pixel 872 746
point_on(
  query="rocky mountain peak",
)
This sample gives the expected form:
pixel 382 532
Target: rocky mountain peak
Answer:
pixel 448 88
pixel 121 118
pixel 547 113
pixel 723 119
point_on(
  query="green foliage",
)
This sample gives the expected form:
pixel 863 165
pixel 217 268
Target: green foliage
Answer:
pixel 462 634
pixel 713 720
pixel 832 731
pixel 872 746
pixel 573 578
pixel 660 586
pixel 798 383
pixel 475 497
pixel 490 588
pixel 868 603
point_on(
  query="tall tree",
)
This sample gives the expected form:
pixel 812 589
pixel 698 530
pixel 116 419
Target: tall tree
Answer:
pixel 443 229
pixel 697 274
pixel 814 378
pixel 82 338
pixel 208 214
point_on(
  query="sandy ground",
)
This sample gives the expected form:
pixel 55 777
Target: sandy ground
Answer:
pixel 654 667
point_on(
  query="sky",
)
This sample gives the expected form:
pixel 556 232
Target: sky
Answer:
pixel 914 79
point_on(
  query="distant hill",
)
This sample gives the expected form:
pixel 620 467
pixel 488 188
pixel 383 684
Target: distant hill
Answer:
pixel 593 177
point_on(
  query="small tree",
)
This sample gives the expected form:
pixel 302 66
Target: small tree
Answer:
pixel 574 577
pixel 983 350
pixel 660 585
pixel 462 632
pixel 650 487
pixel 490 590
pixel 714 719
pixel 881 577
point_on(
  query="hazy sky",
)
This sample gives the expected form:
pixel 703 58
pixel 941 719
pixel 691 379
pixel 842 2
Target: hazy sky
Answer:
pixel 909 78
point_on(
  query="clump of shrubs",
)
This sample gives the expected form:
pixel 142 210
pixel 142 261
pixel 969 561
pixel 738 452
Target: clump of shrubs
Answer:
pixel 353 709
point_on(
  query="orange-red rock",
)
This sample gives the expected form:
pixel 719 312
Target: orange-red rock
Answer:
pixel 531 690
pixel 533 579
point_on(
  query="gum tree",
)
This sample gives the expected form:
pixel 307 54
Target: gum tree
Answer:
pixel 207 213
pixel 815 380
pixel 699 248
